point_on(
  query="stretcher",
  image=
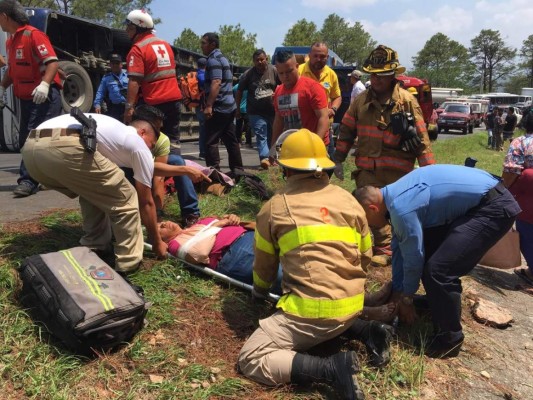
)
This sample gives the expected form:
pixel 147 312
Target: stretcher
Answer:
pixel 211 272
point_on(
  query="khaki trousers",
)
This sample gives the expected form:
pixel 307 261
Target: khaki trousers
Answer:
pixel 378 178
pixel 267 355
pixel 109 203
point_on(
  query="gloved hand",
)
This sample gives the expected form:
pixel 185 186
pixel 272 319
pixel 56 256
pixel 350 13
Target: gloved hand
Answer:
pixel 40 93
pixel 410 141
pixel 339 171
pixel 258 295
pixel 2 96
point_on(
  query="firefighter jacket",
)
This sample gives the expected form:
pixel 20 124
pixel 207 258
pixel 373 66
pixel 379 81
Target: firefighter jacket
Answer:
pixel 319 233
pixel 378 147
pixel 29 50
pixel 152 60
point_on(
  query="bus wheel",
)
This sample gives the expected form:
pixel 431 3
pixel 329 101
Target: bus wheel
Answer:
pixel 77 87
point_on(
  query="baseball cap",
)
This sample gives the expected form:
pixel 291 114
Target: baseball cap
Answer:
pixel 115 57
pixel 356 73
pixel 202 62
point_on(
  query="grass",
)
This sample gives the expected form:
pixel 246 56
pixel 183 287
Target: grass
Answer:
pixel 196 326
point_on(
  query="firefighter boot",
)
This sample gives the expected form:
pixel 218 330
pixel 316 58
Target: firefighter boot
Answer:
pixel 337 370
pixel 376 336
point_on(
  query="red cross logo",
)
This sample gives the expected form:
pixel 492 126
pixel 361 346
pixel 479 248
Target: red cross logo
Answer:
pixel 161 51
pixel 42 49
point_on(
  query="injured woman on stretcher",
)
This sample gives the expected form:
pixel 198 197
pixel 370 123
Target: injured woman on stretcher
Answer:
pixel 227 246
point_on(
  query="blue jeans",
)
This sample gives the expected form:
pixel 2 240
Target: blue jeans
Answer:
pixel 201 130
pixel 185 189
pixel 31 116
pixel 525 230
pixel 262 128
pixel 238 262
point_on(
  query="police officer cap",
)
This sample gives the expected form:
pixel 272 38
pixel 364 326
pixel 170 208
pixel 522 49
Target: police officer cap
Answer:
pixel 115 58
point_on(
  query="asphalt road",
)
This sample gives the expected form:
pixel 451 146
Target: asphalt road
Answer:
pixel 22 209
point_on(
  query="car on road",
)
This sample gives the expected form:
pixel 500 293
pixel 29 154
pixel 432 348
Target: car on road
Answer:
pixel 456 116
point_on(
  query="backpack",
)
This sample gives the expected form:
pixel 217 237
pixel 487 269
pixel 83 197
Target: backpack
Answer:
pixel 252 183
pixel 190 90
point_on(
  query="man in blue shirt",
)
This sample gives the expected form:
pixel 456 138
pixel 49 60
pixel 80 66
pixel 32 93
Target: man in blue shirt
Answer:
pixel 444 219
pixel 220 105
pixel 114 84
pixel 200 75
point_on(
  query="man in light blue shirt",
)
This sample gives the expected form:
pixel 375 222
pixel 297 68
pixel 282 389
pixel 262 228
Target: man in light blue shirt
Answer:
pixel 114 84
pixel 444 219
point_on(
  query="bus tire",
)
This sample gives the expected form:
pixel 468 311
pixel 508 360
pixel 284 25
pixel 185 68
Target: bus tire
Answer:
pixel 77 87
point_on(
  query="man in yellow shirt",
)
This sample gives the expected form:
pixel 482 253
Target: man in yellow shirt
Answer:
pixel 316 69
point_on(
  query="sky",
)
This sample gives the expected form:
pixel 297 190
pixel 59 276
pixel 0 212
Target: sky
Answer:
pixel 404 25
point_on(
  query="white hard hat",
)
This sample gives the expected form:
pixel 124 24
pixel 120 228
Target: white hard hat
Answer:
pixel 140 18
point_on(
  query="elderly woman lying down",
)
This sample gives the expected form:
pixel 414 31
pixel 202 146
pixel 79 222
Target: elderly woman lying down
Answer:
pixel 225 244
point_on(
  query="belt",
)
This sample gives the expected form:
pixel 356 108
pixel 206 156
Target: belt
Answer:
pixel 42 133
pixel 496 191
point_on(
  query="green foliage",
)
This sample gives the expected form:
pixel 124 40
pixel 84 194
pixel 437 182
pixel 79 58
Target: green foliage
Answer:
pixel 188 40
pixel 351 42
pixel 492 58
pixel 526 54
pixel 302 33
pixel 444 62
pixel 237 45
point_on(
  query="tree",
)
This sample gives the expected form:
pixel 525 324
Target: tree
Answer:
pixel 526 53
pixel 302 33
pixel 188 40
pixel 237 45
pixel 351 43
pixel 444 62
pixel 492 58
pixel 108 12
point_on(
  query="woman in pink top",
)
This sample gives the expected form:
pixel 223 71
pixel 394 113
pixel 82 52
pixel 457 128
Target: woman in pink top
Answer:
pixel 223 244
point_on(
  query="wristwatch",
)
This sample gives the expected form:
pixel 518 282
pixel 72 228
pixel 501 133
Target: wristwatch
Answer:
pixel 129 106
pixel 407 300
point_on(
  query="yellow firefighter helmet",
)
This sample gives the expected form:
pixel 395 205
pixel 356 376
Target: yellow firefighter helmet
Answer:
pixel 304 150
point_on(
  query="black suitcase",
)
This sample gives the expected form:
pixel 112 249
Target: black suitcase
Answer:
pixel 81 300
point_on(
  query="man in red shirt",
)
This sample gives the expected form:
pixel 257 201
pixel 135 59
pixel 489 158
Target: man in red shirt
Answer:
pixel 152 73
pixel 32 69
pixel 299 102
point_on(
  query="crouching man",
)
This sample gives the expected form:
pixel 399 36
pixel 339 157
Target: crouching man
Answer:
pixel 319 234
pixel 444 219
pixel 110 205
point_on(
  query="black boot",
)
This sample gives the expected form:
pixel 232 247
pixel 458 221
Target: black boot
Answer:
pixel 337 370
pixel 376 336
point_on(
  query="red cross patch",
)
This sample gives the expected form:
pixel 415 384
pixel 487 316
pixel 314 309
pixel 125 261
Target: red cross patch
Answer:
pixel 42 49
pixel 163 58
pixel 102 274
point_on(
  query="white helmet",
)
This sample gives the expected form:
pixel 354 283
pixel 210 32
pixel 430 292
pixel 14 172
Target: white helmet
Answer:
pixel 140 18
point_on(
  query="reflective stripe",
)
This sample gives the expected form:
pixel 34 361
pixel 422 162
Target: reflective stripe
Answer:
pixel 147 41
pixel 261 283
pixel 160 75
pixel 264 245
pixel 348 120
pixel 366 243
pixel 90 282
pixel 380 162
pixel 426 159
pixel 317 233
pixel 387 136
pixel 321 308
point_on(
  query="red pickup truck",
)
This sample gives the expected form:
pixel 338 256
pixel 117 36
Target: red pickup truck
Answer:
pixel 456 116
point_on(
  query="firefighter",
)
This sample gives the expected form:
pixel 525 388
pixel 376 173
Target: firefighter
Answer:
pixel 152 73
pixel 320 235
pixel 391 132
pixel 33 70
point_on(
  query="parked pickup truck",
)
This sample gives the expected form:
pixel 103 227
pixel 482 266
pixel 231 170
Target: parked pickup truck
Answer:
pixel 456 116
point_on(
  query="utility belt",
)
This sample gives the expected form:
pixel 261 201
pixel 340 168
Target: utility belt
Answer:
pixel 43 133
pixel 493 193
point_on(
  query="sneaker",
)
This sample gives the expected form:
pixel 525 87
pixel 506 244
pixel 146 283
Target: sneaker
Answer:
pixel 440 349
pixel 265 163
pixel 189 220
pixel 25 189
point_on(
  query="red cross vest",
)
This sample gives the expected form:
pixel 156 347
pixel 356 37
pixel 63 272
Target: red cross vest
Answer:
pixel 152 60
pixel 29 50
